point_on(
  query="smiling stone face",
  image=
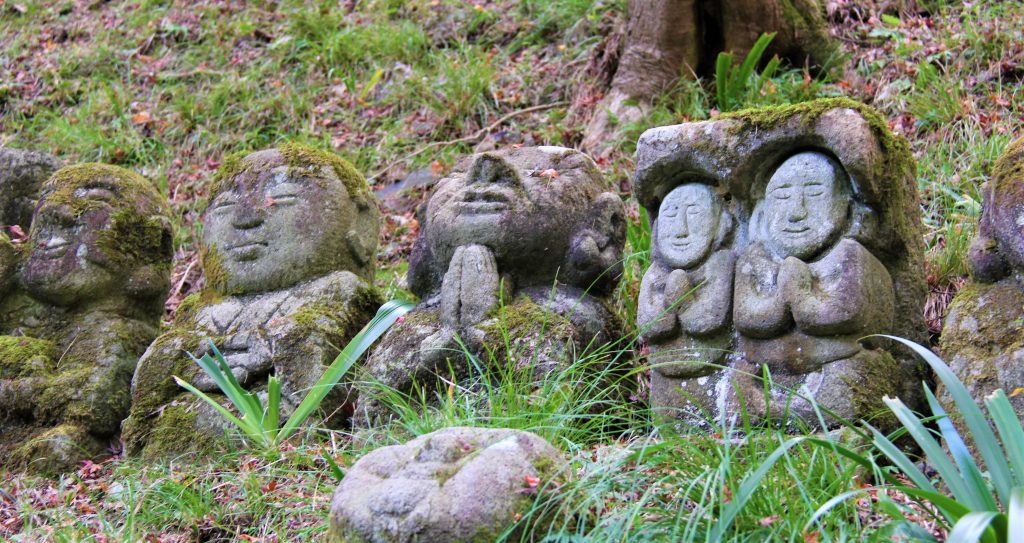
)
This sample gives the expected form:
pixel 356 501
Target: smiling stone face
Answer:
pixel 806 205
pixel 688 223
pixel 276 223
pixel 523 204
pixel 95 226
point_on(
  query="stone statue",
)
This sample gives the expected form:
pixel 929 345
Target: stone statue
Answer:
pixel 983 337
pixel 289 244
pixel 455 484
pixel 525 241
pixel 827 251
pixel 685 305
pixel 93 276
pixel 22 174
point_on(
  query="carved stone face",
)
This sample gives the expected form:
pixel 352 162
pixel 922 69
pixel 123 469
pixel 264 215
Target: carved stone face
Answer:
pixel 806 205
pixel 525 205
pixel 688 223
pixel 274 225
pixel 92 226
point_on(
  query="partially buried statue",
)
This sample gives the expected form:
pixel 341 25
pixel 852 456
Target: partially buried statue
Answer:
pixel 983 337
pixel 289 245
pixel 825 252
pixel 91 281
pixel 525 241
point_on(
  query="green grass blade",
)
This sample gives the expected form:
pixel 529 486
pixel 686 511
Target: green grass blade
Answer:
pixel 936 456
pixel 238 396
pixel 750 484
pixel 336 471
pixel 752 59
pixel 972 527
pixel 273 418
pixel 252 408
pixel 250 431
pixel 385 317
pixel 218 370
pixel 984 439
pixel 723 64
pixel 1010 431
pixel 896 456
pixel 969 471
pixel 1015 516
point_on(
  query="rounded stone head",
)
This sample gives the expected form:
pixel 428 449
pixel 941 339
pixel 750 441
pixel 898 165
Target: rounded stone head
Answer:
pixel 543 211
pixel 99 231
pixel 806 205
pixel 281 216
pixel 691 222
pixel 1002 219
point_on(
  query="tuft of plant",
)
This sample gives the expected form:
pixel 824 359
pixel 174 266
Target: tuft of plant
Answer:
pixel 261 425
pixel 972 505
pixel 734 85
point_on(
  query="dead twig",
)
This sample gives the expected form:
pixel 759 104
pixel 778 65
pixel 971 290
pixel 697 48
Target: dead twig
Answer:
pixel 466 139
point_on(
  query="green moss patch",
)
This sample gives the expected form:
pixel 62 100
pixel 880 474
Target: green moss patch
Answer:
pixel 25 356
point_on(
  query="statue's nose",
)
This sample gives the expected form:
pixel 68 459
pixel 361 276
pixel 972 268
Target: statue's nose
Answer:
pixel 247 216
pixel 489 168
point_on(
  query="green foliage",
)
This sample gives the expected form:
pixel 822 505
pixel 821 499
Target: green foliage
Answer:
pixel 973 505
pixel 261 425
pixel 733 85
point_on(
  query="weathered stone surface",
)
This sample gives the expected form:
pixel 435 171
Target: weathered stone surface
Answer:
pixel 22 174
pixel 93 277
pixel 826 249
pixel 456 484
pixel 289 242
pixel 524 240
pixel 983 337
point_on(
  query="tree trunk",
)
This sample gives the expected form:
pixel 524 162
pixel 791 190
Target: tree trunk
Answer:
pixel 669 39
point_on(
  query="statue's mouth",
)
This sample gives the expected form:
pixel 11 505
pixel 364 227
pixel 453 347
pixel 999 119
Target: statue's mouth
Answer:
pixel 681 242
pixel 54 248
pixel 485 201
pixel 250 250
pixel 796 229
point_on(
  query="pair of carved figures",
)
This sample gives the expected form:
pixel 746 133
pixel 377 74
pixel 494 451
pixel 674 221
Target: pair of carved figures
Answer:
pixel 80 299
pixel 779 244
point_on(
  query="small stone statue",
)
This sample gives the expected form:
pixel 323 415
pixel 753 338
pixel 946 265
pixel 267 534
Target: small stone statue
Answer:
pixel 289 245
pixel 22 174
pixel 827 251
pixel 685 304
pixel 983 337
pixel 455 484
pixel 525 240
pixel 93 276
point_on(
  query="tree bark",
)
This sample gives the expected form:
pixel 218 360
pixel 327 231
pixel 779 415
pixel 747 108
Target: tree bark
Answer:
pixel 669 39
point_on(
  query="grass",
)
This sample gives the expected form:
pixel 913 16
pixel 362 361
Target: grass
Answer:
pixel 168 88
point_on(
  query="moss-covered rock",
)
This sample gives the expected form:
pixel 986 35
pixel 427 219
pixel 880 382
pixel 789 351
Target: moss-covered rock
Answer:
pixel 456 484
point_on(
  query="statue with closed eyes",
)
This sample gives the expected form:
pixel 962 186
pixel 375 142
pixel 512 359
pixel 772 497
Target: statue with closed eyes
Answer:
pixel 775 321
pixel 289 243
pixel 86 299
pixel 517 251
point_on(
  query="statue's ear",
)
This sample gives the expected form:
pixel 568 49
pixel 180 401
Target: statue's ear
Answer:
pixel 988 264
pixel 595 254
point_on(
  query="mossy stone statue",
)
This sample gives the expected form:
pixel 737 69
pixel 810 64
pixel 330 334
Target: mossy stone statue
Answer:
pixel 22 174
pixel 782 237
pixel 92 278
pixel 289 244
pixel 526 241
pixel 983 336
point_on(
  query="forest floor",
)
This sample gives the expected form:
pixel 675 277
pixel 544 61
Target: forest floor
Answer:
pixel 403 89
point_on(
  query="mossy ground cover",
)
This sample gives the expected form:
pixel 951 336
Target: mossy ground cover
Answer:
pixel 171 89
